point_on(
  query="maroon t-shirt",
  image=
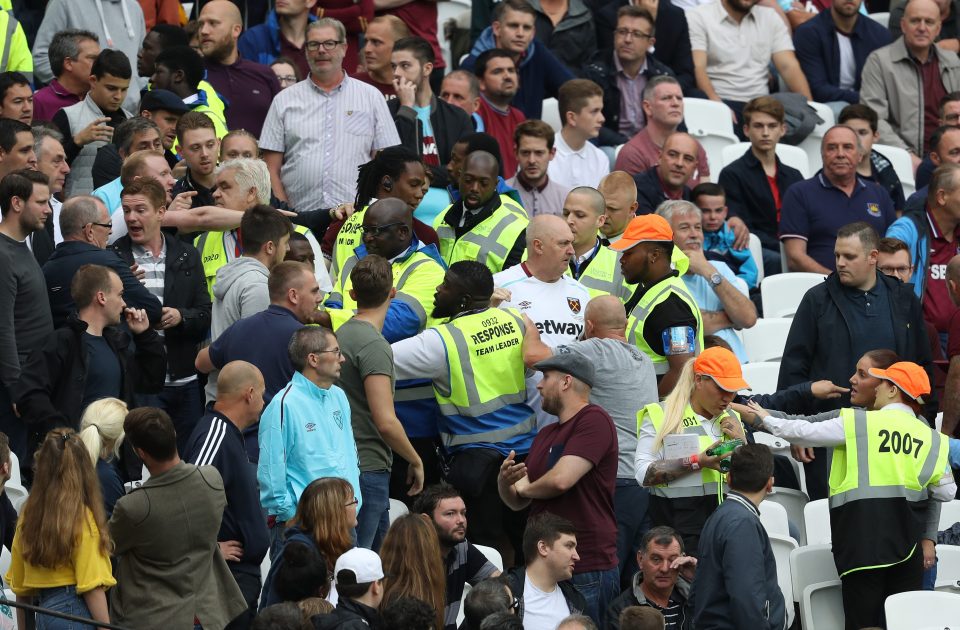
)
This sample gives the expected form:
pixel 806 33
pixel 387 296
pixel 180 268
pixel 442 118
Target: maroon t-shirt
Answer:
pixel 937 306
pixel 386 89
pixel 420 16
pixel 589 434
pixel 501 125
pixel 933 93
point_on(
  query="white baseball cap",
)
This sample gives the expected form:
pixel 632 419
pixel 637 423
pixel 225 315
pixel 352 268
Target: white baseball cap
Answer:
pixel 363 565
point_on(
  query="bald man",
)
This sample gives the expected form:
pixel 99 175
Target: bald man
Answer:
pixel 906 102
pixel 619 192
pixel 217 441
pixel 596 266
pixel 668 178
pixel 249 87
pixel 482 225
pixel 624 383
pixel 541 289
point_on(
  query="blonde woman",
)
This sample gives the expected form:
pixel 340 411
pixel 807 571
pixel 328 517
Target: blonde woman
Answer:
pixel 685 483
pixel 101 431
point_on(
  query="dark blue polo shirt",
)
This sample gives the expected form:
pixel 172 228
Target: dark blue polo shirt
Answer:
pixel 815 210
pixel 869 318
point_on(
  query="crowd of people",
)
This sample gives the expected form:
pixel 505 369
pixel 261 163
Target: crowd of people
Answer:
pixel 292 291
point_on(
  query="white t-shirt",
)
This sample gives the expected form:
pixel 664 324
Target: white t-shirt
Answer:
pixel 848 65
pixel 585 167
pixel 557 310
pixel 542 611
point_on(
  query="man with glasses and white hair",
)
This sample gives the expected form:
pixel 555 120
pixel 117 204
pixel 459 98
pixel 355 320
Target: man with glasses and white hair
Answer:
pixel 319 131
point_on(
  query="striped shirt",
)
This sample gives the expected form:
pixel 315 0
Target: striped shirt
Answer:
pixel 324 137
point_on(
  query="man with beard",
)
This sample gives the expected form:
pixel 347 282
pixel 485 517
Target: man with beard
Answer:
pixel 571 472
pixel 463 563
pixel 533 142
pixel 497 71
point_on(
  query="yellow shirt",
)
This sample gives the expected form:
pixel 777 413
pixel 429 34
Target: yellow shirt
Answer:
pixel 89 568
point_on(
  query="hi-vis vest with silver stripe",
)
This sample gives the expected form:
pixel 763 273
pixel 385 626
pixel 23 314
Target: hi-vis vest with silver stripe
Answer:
pixel 603 276
pixel 348 239
pixel 877 479
pixel 711 480
pixel 484 403
pixel 489 242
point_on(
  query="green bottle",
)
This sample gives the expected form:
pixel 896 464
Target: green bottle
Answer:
pixel 725 448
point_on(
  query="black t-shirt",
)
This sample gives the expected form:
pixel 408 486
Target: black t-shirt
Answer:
pixel 103 371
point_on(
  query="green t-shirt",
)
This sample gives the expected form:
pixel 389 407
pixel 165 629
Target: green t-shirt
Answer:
pixel 365 352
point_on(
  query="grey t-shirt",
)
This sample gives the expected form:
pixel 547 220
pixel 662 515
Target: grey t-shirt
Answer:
pixel 365 353
pixel 625 382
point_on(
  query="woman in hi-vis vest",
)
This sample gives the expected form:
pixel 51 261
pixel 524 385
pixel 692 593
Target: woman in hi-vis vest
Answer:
pixel 675 436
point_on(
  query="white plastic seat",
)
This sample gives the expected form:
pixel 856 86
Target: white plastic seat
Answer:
pixel 703 116
pixel 918 610
pixel 714 143
pixel 816 519
pixel 764 341
pixel 882 18
pixel 949 514
pixel 793 502
pixel 449 11
pixel 5 559
pixel 811 144
pixel 788 154
pixel 17 495
pixel 821 606
pixel 780 295
pixel 948 569
pixel 551 113
pixel 782 546
pixel 774 519
pixel 775 443
pixel 756 252
pixel 397 509
pixel 811 564
pixel 902 164
pixel 14 470
pixel 762 377
pixel 492 555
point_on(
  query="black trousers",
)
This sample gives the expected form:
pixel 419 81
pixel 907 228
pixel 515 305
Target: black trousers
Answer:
pixel 864 592
pixel 250 587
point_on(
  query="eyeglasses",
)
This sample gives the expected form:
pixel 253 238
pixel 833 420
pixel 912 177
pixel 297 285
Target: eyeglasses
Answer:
pixel 336 350
pixel 287 79
pixel 895 271
pixel 626 32
pixel 377 230
pixel 109 226
pixel 314 46
pixel 355 501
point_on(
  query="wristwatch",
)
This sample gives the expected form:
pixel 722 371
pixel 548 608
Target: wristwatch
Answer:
pixel 716 279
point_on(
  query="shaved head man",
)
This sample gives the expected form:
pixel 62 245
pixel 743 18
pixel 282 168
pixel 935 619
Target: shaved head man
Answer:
pixel 619 192
pixel 478 179
pixel 220 26
pixel 584 212
pixel 549 247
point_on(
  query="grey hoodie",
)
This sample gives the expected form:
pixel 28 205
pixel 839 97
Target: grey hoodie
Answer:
pixel 240 291
pixel 118 23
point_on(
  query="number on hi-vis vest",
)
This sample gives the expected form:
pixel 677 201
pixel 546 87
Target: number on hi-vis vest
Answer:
pixel 893 441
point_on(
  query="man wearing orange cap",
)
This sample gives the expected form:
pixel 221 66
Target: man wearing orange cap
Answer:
pixel 889 467
pixel 665 320
pixel 685 482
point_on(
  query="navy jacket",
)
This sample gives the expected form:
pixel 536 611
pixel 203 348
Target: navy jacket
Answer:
pixel 750 198
pixel 70 256
pixel 649 191
pixel 217 442
pixel 819 54
pixel 261 43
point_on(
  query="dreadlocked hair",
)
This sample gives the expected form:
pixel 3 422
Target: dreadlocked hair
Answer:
pixel 389 162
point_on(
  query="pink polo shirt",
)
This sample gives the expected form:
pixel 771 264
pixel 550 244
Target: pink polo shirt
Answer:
pixel 50 99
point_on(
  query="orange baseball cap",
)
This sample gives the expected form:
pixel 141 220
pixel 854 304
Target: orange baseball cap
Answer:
pixel 909 377
pixel 646 227
pixel 723 367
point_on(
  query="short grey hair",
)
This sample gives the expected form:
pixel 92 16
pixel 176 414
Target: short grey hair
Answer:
pixel 652 84
pixel 306 340
pixel 672 207
pixel 586 623
pixel 66 43
pixel 473 83
pixel 77 212
pixel 856 137
pixel 129 129
pixel 41 133
pixel 250 173
pixel 333 23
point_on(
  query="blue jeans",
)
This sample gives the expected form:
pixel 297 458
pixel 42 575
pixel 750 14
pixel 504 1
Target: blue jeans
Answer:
pixel 630 501
pixel 374 516
pixel 599 588
pixel 184 405
pixel 63 599
pixel 276 540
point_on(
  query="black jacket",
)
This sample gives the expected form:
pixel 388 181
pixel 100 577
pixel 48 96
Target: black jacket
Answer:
pixel 575 601
pixel 650 193
pixel 634 596
pixel 41 243
pixel 602 70
pixel 50 391
pixel 348 615
pixel 185 289
pixel 449 123
pixel 818 345
pixel 70 256
pixel 750 198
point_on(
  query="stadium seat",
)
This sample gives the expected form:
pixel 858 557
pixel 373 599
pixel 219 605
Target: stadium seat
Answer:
pixel 788 154
pixel 264 570
pixel 782 547
pixel 711 124
pixel 492 555
pixel 775 443
pixel 756 251
pixel 793 502
pixel 780 295
pixel 902 164
pixel 949 514
pixel 397 509
pixel 811 564
pixel 774 518
pixel 5 559
pixel 816 519
pixel 450 11
pixel 811 144
pixel 821 606
pixel 14 470
pixel 551 113
pixel 948 569
pixel 17 495
pixel 765 340
pixel 882 18
pixel 762 377
pixel 914 610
